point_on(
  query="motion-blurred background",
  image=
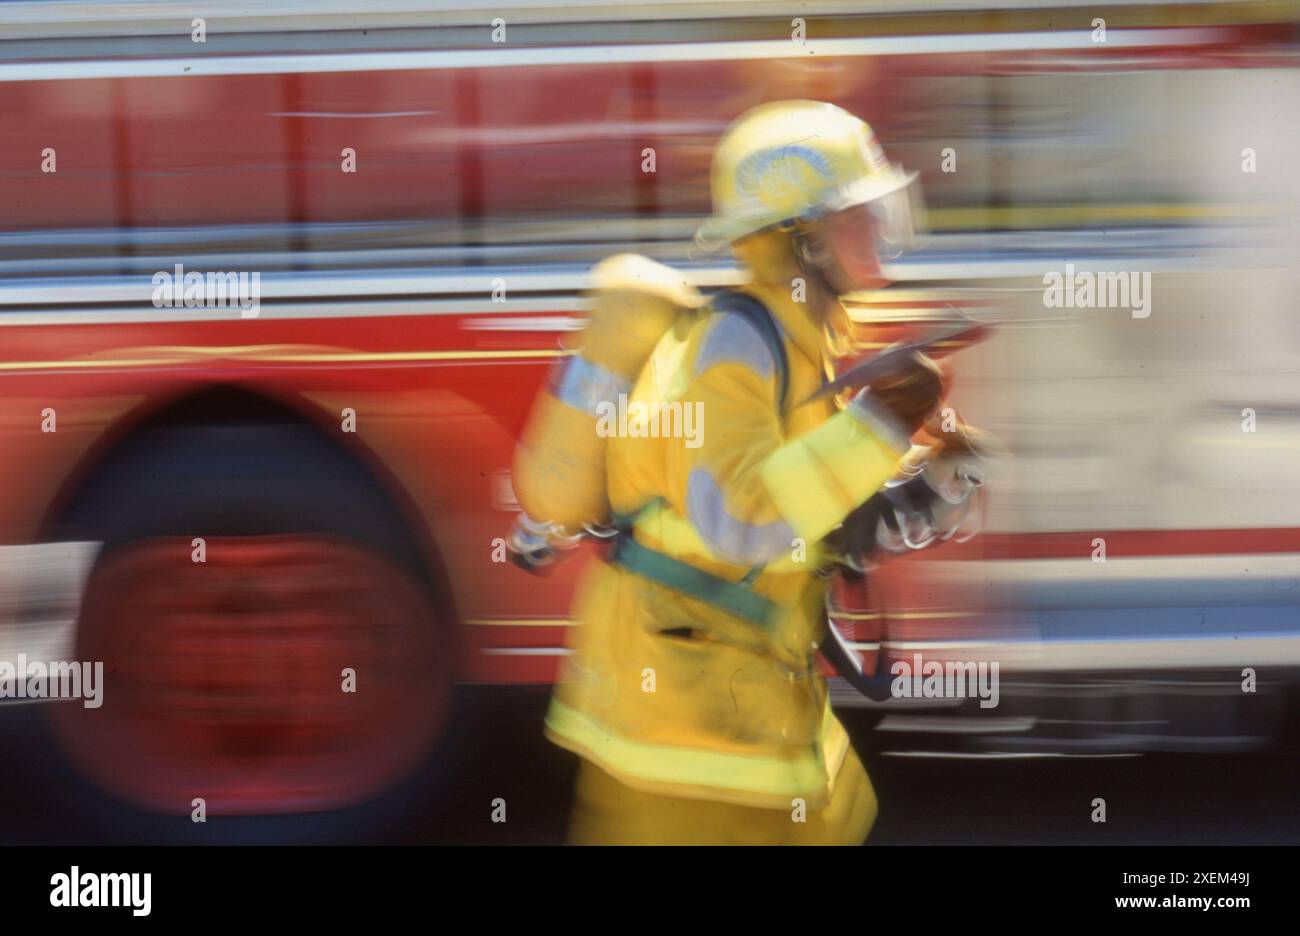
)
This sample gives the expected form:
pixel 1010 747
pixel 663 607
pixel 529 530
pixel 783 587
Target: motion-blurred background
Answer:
pixel 384 169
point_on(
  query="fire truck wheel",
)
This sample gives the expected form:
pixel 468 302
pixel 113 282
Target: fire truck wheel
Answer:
pixel 272 640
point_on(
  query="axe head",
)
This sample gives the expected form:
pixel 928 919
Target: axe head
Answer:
pixel 937 340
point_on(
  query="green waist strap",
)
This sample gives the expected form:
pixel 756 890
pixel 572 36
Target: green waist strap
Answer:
pixel 733 597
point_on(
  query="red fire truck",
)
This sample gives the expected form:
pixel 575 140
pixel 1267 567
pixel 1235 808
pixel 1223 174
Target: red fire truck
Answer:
pixel 238 509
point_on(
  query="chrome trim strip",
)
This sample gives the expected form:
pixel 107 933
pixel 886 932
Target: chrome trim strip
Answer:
pixel 567 279
pixel 912 722
pixel 557 287
pixel 1003 755
pixel 1033 656
pixel 268 14
pixel 1267 579
pixel 41 585
pixel 505 57
pixel 527 651
pixel 550 323
pixel 125 315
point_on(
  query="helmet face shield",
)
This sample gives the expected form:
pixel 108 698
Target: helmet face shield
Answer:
pixel 898 219
pixel 857 240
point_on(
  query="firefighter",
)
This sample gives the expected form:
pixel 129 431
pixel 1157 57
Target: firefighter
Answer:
pixel 691 694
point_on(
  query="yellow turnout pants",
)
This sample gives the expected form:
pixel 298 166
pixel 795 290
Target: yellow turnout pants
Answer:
pixel 607 812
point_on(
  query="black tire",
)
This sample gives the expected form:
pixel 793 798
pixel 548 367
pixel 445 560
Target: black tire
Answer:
pixel 236 478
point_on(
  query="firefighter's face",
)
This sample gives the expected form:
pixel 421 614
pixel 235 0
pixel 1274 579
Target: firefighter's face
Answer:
pixel 845 248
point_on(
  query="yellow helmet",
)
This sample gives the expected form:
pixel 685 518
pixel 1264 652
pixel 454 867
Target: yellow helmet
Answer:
pixel 789 160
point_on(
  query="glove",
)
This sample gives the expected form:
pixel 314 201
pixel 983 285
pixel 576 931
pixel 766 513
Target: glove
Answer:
pixel 852 543
pixel 959 458
pixel 911 392
pixel 961 439
pixel 929 502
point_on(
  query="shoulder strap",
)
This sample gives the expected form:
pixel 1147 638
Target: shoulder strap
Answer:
pixel 736 598
pixel 761 318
